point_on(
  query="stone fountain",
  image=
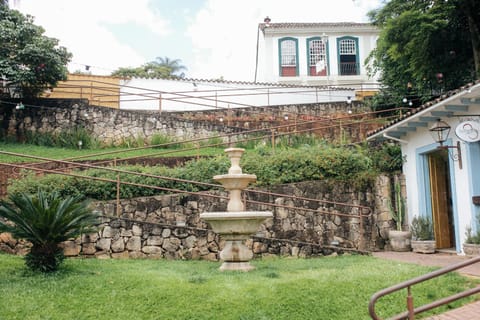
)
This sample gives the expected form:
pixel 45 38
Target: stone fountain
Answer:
pixel 235 225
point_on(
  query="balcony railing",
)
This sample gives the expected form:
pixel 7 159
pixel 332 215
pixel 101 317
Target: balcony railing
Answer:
pixel 349 69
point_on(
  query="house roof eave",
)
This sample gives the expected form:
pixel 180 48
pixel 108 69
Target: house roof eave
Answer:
pixel 448 105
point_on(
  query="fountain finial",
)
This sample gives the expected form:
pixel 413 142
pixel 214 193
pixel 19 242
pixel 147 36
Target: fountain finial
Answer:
pixel 235 154
pixel 235 181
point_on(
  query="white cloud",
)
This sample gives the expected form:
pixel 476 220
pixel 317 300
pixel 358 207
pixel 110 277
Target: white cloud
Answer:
pixel 224 32
pixel 81 28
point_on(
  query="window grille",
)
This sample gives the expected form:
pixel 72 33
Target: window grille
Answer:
pixel 348 46
pixel 289 53
pixel 317 52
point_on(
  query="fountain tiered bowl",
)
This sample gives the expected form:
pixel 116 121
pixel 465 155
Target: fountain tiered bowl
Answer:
pixel 235 225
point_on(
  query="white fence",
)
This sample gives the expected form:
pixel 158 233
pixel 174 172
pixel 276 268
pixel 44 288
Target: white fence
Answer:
pixel 188 95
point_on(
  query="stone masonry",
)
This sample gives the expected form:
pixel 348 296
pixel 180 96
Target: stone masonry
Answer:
pixel 169 227
pixel 113 126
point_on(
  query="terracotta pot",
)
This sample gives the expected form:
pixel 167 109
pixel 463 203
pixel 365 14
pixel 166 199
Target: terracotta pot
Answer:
pixel 424 246
pixel 400 240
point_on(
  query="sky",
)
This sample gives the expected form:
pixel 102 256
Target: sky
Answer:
pixel 211 38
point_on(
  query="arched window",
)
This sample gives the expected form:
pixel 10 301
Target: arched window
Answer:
pixel 317 57
pixel 288 53
pixel 348 59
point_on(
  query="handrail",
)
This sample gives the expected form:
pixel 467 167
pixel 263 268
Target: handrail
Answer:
pixel 411 310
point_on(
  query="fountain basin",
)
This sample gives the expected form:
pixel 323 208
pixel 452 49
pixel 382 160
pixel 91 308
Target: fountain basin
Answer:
pixel 235 181
pixel 234 228
pixel 235 225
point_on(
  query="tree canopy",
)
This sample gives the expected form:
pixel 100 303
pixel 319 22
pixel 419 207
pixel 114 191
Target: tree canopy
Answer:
pixel 425 46
pixel 29 61
pixel 159 68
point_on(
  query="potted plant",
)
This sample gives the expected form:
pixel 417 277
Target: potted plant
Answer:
pixel 400 240
pixel 472 241
pixel 422 235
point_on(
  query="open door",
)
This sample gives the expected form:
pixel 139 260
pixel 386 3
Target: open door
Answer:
pixel 441 199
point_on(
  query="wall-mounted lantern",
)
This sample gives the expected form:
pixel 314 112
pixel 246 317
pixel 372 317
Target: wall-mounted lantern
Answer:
pixel 440 131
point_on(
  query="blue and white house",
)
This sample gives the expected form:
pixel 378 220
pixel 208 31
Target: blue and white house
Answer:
pixel 441 145
pixel 316 53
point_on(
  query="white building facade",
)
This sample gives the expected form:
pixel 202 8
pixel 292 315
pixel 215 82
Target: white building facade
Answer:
pixel 442 183
pixel 316 53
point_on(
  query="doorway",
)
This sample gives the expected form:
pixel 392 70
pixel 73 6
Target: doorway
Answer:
pixel 441 199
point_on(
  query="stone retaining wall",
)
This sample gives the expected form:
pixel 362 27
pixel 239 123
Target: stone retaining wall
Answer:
pixel 109 126
pixel 113 126
pixel 169 226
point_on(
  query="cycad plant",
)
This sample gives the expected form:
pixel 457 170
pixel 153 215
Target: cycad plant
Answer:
pixel 46 220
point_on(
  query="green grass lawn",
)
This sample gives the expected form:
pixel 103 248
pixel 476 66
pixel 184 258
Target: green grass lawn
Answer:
pixel 63 153
pixel 280 288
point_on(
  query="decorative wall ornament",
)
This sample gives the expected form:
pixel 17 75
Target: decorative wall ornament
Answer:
pixel 468 131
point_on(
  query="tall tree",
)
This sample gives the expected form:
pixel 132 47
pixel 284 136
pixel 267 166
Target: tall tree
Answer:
pixel 160 68
pixel 29 61
pixel 424 46
pixel 173 65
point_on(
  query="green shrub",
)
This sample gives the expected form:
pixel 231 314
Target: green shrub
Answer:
pixel 64 139
pixel 30 184
pixel 132 142
pixel 46 139
pixel 162 141
pixel 213 141
pixel 288 165
pixel 306 163
pixel 387 157
pixel 250 144
pixel 302 140
pixel 71 138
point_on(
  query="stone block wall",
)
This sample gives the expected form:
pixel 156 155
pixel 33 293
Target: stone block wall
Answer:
pixel 169 226
pixel 109 126
pixel 113 126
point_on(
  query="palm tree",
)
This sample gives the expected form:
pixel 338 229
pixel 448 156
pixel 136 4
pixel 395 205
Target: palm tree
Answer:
pixel 46 221
pixel 173 66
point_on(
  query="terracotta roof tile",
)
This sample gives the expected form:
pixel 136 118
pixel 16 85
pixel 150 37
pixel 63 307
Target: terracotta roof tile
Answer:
pixel 424 106
pixel 303 25
pixel 266 84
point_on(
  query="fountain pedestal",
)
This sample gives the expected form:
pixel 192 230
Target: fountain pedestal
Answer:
pixel 235 225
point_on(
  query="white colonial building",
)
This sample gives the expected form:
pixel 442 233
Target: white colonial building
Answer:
pixel 296 63
pixel 316 53
pixel 441 145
